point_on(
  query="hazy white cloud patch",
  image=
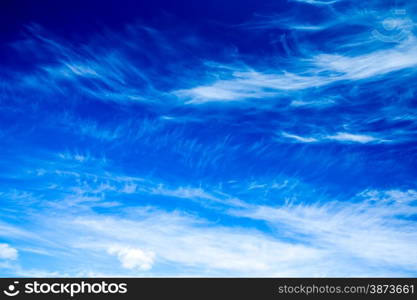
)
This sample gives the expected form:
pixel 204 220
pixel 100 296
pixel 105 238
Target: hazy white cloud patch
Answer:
pixel 133 258
pixel 299 138
pixel 354 138
pixel 318 2
pixel 183 192
pixel 313 103
pixel 7 252
pixel 193 193
pixel 341 137
pixel 129 188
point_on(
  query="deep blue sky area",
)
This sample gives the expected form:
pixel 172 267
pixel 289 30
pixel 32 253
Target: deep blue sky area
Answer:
pixel 216 138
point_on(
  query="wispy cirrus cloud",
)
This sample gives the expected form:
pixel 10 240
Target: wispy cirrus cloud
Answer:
pixel 142 239
pixel 376 229
pixel 244 85
pixel 96 69
pixel 299 138
pixel 354 138
pixel 342 137
pixel 178 152
pixel 197 245
pixel 318 2
pixel 304 65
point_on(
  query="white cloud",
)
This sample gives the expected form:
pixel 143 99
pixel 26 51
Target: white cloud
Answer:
pixel 313 103
pixel 129 188
pixel 7 252
pixel 370 236
pixel 349 137
pixel 252 84
pixel 342 137
pixel 192 193
pixel 375 230
pixel 191 243
pixel 390 196
pixel 299 138
pixel 318 2
pixel 111 71
pixel 372 64
pixel 133 258
pixel 183 192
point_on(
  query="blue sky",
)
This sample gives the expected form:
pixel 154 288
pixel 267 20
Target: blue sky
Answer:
pixel 217 138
